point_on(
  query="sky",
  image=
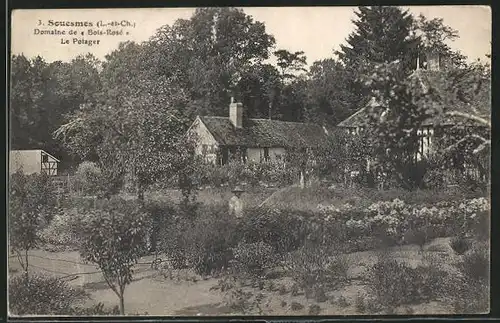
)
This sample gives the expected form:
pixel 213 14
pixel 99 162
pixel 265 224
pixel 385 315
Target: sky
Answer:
pixel 315 30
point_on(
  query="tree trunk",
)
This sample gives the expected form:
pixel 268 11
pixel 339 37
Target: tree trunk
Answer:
pixel 140 192
pixel 302 179
pixel 26 263
pixel 122 304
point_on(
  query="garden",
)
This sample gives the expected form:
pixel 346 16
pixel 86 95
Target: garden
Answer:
pixel 367 222
pixel 324 250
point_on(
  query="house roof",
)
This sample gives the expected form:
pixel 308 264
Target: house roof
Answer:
pixel 360 117
pixel 265 133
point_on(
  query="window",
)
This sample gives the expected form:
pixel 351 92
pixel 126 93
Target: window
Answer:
pixel 45 158
pixel 266 154
pixel 204 149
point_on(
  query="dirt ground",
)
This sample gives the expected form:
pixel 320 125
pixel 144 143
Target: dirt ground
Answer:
pixel 152 293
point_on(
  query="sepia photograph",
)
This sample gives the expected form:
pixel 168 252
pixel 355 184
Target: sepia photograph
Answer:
pixel 249 161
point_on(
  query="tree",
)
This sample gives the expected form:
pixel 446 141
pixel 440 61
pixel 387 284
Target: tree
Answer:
pixel 329 95
pixel 136 127
pixel 114 240
pixel 404 103
pixel 290 63
pixel 31 205
pixel 382 35
pixel 42 95
pixel 208 54
pixel 259 90
pixel 397 112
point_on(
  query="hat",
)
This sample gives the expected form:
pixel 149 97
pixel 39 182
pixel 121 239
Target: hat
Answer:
pixel 237 189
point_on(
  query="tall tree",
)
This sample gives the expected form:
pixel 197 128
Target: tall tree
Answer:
pixel 329 95
pixel 291 98
pixel 208 54
pixel 259 90
pixel 135 127
pixel 43 94
pixel 381 35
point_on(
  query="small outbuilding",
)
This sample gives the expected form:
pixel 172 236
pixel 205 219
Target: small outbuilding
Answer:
pixel 33 161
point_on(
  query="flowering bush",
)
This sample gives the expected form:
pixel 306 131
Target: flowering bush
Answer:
pixel 65 227
pixel 394 218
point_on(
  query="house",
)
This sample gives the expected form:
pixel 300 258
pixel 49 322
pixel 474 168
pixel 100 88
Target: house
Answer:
pixel 431 130
pixel 223 139
pixel 32 161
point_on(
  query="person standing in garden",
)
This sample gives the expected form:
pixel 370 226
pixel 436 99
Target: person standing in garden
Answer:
pixel 235 203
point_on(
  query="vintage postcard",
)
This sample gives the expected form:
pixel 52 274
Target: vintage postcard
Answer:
pixel 250 161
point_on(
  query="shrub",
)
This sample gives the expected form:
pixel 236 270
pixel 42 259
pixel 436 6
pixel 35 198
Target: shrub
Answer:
pixel 89 178
pixel 161 215
pixel 42 295
pixel 94 310
pixel 475 265
pixel 471 295
pixel 393 283
pixel 253 259
pixel 460 244
pixel 284 231
pixel 296 306
pixel 312 269
pixel 342 302
pixel 203 243
pixel 253 173
pixel 314 309
pixel 65 228
pixel 31 207
pixel 114 240
pixel 238 298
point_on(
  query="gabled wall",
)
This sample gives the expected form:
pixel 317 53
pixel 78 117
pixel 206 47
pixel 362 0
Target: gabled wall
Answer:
pixel 206 145
pixel 29 161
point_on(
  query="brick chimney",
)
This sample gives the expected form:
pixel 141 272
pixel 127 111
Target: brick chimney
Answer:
pixel 236 113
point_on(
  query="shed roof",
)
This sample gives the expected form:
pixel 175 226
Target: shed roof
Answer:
pixel 265 133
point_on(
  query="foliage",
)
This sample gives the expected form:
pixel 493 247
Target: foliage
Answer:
pixel 330 96
pixel 382 34
pixel 209 53
pixel 253 258
pixel 394 283
pixel 114 240
pixel 284 231
pixel 475 265
pixel 253 173
pixel 31 206
pixel 41 96
pixel 126 129
pixel 89 178
pixel 395 219
pixel 202 242
pixel 97 309
pixel 460 244
pixel 38 294
pixel 313 269
pixel 472 291
pixel 65 228
pixel 239 298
